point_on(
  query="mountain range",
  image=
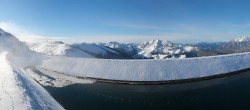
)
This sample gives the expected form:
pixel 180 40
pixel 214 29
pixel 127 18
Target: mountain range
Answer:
pixel 154 49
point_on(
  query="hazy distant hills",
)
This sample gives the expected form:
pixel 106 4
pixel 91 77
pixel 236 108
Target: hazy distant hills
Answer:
pixel 238 45
pixel 154 49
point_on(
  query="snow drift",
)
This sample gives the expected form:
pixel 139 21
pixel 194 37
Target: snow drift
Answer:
pixel 148 70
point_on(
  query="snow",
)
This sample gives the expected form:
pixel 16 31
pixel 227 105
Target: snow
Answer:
pixel 127 48
pixel 108 49
pixel 18 90
pixel 157 49
pixel 54 79
pixel 9 88
pixel 92 48
pixel 148 70
pixel 190 48
pixel 83 50
pixel 182 56
pixel 59 48
pixel 242 39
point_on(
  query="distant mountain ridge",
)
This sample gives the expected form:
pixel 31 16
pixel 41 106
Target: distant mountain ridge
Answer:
pixel 237 45
pixel 153 49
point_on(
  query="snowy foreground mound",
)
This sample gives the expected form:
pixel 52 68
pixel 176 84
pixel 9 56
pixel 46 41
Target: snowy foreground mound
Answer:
pixel 148 70
pixel 18 91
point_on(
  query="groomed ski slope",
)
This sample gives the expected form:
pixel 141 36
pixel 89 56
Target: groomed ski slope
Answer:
pixel 148 70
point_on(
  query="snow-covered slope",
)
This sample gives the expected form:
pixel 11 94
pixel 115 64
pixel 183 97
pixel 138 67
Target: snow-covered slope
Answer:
pixel 93 48
pixel 148 70
pixel 19 91
pixel 82 50
pixel 125 49
pixel 10 89
pixel 59 48
pixel 99 51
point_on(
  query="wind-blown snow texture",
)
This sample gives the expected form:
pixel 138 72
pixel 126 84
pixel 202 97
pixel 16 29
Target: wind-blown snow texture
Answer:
pixel 148 70
pixel 19 91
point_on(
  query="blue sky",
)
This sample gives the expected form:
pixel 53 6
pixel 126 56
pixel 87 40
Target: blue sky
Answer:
pixel 127 20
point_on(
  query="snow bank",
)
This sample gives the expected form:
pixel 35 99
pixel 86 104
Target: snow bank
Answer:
pixel 148 70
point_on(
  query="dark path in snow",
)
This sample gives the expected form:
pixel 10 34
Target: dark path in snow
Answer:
pixel 231 92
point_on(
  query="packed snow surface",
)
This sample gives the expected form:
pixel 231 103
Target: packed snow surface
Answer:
pixel 148 70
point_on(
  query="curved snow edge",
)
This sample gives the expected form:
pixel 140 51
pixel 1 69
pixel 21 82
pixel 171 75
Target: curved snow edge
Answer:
pixel 148 70
pixel 163 81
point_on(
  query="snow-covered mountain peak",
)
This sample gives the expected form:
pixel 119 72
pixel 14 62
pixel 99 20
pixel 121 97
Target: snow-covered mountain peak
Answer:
pixel 242 39
pixel 158 49
pixel 157 41
pixel 155 45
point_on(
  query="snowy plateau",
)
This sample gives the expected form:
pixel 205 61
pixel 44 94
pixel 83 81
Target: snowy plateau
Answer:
pixel 112 61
